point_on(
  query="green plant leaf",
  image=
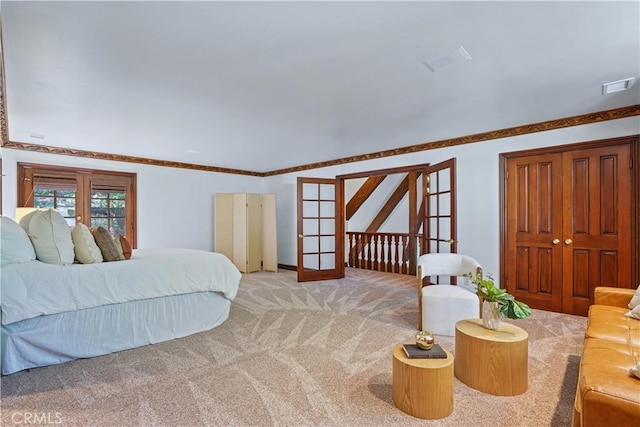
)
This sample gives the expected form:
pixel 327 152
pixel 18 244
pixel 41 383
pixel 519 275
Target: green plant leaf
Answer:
pixel 520 310
pixel 488 291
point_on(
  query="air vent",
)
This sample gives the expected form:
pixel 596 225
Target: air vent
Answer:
pixel 458 55
pixel 617 86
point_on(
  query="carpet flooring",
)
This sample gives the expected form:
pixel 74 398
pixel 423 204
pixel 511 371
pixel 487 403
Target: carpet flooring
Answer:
pixel 315 353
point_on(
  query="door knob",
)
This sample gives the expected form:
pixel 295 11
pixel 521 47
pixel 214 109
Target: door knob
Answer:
pixel 555 241
pixel 300 236
pixel 568 241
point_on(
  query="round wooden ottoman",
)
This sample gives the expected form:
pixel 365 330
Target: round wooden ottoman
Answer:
pixel 423 387
pixel 494 362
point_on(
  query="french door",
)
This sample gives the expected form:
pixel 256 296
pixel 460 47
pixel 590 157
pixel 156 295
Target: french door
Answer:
pixel 439 208
pixel 320 229
pixel 567 224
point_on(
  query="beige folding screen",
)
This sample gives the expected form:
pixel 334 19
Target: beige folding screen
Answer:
pixel 245 230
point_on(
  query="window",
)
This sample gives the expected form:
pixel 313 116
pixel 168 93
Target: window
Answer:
pixel 107 210
pixel 56 192
pixel 92 197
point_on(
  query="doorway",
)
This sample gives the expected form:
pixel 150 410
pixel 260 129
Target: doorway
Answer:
pixel 322 211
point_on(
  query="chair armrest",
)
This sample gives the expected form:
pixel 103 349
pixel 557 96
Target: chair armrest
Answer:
pixel 617 297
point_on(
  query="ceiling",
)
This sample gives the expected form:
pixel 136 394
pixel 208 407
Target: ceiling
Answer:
pixel 261 86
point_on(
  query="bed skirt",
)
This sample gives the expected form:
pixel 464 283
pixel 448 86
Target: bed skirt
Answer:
pixel 59 338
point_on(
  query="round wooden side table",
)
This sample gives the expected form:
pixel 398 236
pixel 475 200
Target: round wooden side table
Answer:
pixel 423 388
pixel 494 362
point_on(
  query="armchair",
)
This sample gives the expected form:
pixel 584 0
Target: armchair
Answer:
pixel 441 306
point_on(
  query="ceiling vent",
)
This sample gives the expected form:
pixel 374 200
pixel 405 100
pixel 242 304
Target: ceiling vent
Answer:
pixel 617 86
pixel 458 55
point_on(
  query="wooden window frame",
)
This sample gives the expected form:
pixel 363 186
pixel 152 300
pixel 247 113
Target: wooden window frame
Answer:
pixel 84 179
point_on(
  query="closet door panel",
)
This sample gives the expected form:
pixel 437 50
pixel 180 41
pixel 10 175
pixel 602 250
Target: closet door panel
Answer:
pixel 534 226
pixel 596 223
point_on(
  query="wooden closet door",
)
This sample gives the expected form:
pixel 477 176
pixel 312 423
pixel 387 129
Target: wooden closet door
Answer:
pixel 533 268
pixel 596 223
pixel 568 225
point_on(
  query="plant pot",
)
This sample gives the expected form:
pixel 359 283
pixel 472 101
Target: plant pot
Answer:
pixel 491 315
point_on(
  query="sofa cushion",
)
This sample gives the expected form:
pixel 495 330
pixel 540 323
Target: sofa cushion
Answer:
pixel 608 395
pixel 617 297
pixel 15 245
pixel 611 323
pixel 84 245
pixel 51 237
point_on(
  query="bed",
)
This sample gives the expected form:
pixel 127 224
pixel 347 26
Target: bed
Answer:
pixel 57 313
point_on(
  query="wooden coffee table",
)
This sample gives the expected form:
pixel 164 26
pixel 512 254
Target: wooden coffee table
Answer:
pixel 494 362
pixel 423 387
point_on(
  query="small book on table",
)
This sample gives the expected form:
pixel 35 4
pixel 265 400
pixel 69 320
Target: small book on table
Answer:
pixel 414 352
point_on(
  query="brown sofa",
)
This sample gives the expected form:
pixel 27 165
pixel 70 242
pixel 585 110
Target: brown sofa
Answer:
pixel 607 395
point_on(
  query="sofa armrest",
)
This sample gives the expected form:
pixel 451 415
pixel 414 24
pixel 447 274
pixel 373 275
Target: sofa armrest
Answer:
pixel 617 297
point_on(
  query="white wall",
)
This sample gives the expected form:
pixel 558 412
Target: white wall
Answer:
pixel 175 206
pixel 477 184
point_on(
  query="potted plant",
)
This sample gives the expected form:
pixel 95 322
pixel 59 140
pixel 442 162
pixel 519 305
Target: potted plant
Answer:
pixel 496 302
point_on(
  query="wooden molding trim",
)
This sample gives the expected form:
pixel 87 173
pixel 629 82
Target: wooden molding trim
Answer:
pixel 584 119
pixel 4 124
pixel 121 158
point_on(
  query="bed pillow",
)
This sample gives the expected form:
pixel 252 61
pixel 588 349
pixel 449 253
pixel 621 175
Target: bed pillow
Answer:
pixel 123 246
pixel 15 245
pixel 106 244
pixel 635 300
pixel 51 237
pixel 84 245
pixel 26 220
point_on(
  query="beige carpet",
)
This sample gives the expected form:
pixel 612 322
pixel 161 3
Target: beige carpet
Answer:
pixel 315 353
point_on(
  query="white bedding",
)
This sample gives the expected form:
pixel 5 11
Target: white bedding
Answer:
pixel 34 288
pixel 62 337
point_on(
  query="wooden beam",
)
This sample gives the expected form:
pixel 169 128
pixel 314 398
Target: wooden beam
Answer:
pixel 420 217
pixel 391 204
pixel 362 195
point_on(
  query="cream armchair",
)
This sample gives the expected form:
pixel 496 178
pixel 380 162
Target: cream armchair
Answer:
pixel 441 306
